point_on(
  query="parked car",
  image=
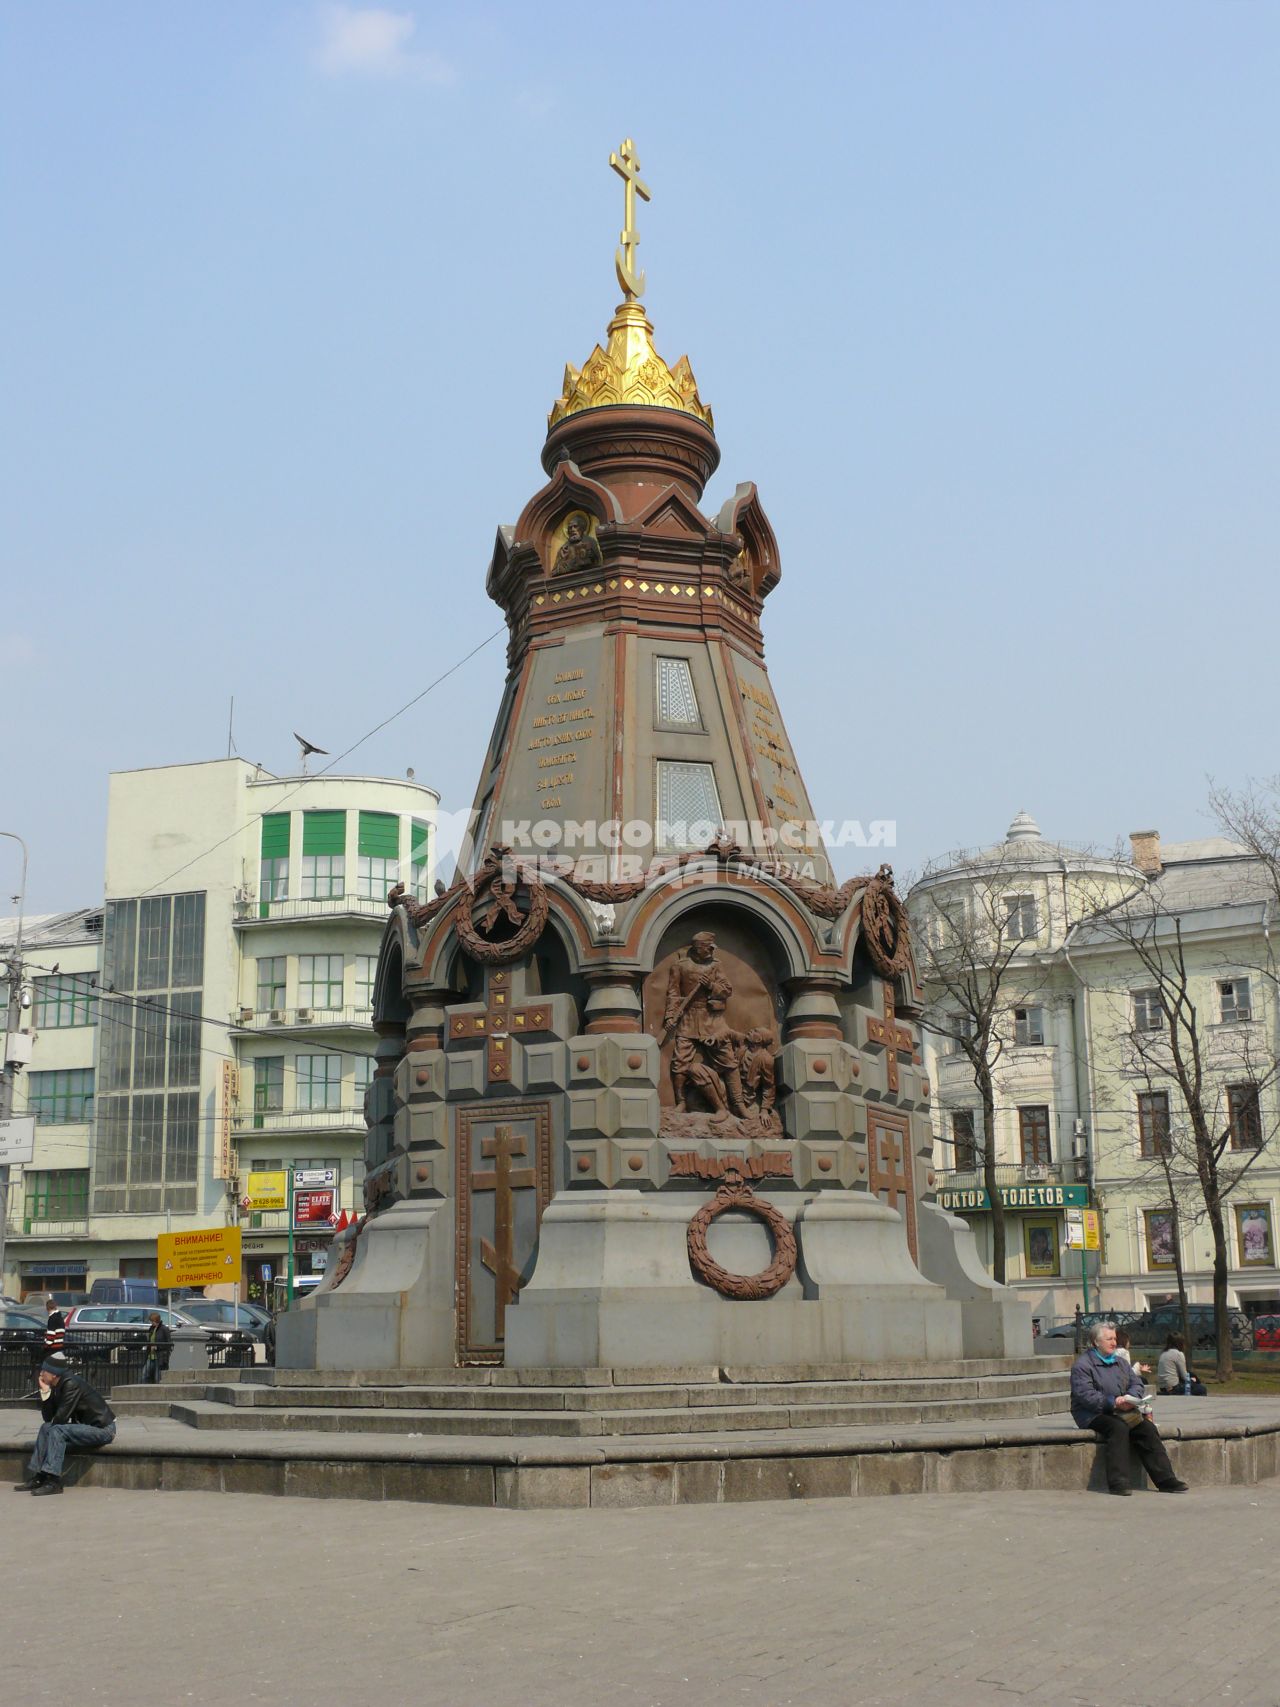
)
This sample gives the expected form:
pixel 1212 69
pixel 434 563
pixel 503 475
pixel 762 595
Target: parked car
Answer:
pixel 1266 1333
pixel 1119 1319
pixel 222 1313
pixel 1154 1326
pixel 105 1318
pixel 124 1292
pixel 130 1323
pixel 20 1327
pixel 21 1349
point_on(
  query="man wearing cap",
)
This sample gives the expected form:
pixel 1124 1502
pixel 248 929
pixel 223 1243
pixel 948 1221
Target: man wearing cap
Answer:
pixel 74 1415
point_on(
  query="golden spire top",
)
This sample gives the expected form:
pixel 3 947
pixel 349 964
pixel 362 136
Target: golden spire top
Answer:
pixel 628 369
pixel 626 163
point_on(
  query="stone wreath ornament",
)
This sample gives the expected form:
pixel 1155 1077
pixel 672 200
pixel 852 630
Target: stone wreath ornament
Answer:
pixel 884 925
pixel 735 1193
pixel 490 903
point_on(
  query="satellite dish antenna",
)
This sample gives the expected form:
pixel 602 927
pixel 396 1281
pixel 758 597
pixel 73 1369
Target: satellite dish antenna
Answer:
pixel 308 747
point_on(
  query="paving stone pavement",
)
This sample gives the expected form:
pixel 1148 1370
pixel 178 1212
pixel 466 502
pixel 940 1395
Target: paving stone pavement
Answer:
pixel 1017 1600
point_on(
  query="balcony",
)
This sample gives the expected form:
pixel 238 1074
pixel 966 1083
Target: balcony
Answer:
pixel 20 1226
pixel 297 1121
pixel 251 1021
pixel 290 909
pixel 1012 1174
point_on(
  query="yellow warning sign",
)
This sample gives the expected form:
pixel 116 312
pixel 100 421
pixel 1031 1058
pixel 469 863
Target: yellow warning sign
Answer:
pixel 198 1259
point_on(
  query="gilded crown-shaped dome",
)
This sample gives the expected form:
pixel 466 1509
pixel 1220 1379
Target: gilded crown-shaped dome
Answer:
pixel 628 370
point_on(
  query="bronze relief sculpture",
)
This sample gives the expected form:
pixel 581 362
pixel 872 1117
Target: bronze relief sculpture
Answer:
pixel 723 1081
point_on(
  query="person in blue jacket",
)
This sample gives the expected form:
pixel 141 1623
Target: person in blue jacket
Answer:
pixel 1103 1388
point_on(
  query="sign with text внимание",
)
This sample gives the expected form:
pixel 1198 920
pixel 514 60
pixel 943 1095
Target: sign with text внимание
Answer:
pixel 1015 1197
pixel 199 1258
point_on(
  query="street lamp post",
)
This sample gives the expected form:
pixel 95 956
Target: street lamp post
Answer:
pixel 12 1024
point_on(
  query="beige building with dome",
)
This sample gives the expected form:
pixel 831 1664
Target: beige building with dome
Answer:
pixel 1085 1098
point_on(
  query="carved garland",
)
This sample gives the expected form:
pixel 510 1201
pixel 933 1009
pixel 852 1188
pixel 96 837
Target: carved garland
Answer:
pixel 735 1193
pixel 491 878
pixel 884 925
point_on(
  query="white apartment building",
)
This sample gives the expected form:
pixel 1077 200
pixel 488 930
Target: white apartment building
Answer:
pixel 1084 1101
pixel 236 954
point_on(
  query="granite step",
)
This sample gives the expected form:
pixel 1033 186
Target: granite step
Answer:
pixel 666 1420
pixel 448 1396
pixel 263 1375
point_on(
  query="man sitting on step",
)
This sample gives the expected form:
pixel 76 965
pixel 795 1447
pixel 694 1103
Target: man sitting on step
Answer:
pixel 74 1415
pixel 1107 1396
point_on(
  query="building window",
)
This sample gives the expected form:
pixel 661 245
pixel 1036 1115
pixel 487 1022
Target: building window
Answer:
pixel 268 1087
pixel 320 981
pixel 1234 996
pixel 963 1142
pixel 64 1000
pixel 149 1053
pixel 419 858
pixel 365 1065
pixel 1028 1027
pixel 688 806
pixel 62 1098
pixel 1148 1011
pixel 271 976
pixel 273 871
pixel 62 1195
pixel 1153 1123
pixel 1033 1129
pixel 1244 1116
pixel 1020 917
pixel 675 701
pixel 378 855
pixel 964 1028
pixel 319 1081
pixel 366 976
pixel 324 840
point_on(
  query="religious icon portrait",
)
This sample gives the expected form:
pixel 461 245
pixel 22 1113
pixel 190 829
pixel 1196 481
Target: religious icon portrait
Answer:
pixel 580 550
pixel 1159 1227
pixel 1253 1229
pixel 1040 1247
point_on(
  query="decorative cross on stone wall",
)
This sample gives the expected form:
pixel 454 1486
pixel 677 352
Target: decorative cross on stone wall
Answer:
pixel 889 1165
pixel 502 1179
pixel 506 1014
pixel 893 1036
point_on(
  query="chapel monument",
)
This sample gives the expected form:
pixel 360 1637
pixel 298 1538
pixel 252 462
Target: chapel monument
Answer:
pixel 649 1087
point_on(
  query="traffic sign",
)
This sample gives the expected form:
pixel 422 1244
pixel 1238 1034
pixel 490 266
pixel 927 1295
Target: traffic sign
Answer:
pixel 198 1259
pixel 304 1177
pixel 17 1139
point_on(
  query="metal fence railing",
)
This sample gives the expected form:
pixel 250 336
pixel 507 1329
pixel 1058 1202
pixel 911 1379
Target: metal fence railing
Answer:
pixel 107 1361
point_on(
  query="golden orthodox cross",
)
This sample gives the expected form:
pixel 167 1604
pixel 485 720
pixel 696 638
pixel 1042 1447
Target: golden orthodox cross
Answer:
pixel 626 164
pixel 502 1180
pixel 893 1036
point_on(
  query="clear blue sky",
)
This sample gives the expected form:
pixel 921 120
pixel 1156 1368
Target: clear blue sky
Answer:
pixel 984 297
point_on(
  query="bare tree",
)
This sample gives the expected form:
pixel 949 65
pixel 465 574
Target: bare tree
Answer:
pixel 1212 1142
pixel 1251 817
pixel 971 947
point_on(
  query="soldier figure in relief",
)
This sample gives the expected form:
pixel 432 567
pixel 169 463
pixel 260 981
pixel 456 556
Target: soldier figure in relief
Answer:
pixel 705 1055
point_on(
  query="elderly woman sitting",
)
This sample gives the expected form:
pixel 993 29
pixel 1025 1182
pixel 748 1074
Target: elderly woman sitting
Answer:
pixel 1104 1390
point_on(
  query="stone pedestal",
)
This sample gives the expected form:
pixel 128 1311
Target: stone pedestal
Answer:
pixel 613 1288
pixel 393 1309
